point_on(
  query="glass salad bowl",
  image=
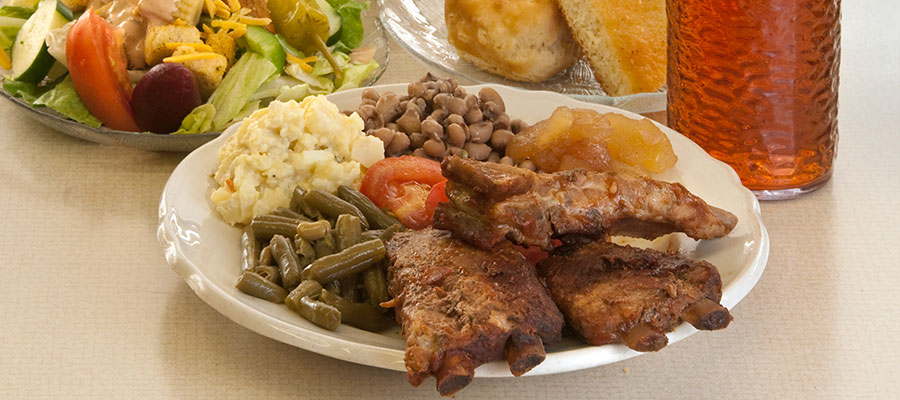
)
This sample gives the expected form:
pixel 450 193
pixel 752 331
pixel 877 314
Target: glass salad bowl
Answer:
pixel 374 36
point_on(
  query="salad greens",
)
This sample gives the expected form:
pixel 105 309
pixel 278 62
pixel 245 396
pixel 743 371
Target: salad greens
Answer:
pixel 268 67
pixel 64 99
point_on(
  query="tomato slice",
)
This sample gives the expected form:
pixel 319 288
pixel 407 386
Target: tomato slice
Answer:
pixel 97 64
pixel 402 185
pixel 435 196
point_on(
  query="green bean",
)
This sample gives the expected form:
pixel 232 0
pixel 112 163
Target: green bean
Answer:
pixel 249 249
pixel 362 316
pixel 324 247
pixel 257 286
pixel 305 251
pixel 370 234
pixel 350 287
pixel 390 231
pixel 313 230
pixel 347 231
pixel 332 206
pixel 300 206
pixel 266 226
pixel 353 260
pixel 307 288
pixel 287 261
pixel 288 213
pixel 377 217
pixel 333 287
pixel 269 272
pixel 265 256
pixel 319 313
pixel 375 283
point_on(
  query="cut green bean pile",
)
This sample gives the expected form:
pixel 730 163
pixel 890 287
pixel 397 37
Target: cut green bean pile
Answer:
pixel 322 257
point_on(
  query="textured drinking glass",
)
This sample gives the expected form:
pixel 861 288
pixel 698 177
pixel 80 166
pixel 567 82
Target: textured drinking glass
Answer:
pixel 755 83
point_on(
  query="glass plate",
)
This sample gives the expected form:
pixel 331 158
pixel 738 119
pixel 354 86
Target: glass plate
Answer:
pixel 418 25
pixel 204 250
pixel 374 36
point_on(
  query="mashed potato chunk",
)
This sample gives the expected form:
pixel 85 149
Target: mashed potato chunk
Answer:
pixel 288 144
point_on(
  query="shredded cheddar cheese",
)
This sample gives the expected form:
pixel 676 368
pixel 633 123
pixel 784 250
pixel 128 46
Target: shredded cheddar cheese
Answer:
pixel 254 21
pixel 195 46
pixel 191 56
pixel 218 23
pixel 309 59
pixel 234 5
pixel 210 7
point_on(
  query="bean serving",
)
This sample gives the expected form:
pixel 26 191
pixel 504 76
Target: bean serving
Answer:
pixel 320 258
pixel 437 118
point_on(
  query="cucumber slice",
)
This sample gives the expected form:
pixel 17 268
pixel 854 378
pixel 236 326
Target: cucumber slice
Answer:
pixel 30 59
pixel 334 20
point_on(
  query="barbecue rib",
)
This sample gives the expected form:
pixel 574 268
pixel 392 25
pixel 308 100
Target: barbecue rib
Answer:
pixel 611 293
pixel 461 307
pixel 490 202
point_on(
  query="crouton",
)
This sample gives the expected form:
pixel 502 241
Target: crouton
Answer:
pixel 208 68
pixel 157 36
pixel 223 44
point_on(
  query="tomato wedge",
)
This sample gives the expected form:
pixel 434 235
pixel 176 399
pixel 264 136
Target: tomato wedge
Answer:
pixel 96 58
pixel 435 196
pixel 402 185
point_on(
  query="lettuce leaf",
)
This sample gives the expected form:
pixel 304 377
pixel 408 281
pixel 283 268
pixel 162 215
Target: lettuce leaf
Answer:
pixel 199 120
pixel 351 33
pixel 65 101
pixel 23 90
pixel 355 74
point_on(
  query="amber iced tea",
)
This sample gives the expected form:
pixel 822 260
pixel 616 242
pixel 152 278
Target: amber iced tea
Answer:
pixel 755 82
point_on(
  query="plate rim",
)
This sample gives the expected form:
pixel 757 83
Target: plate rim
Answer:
pixel 557 362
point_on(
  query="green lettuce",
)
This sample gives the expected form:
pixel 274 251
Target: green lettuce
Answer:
pixel 64 99
pixel 243 79
pixel 23 90
pixel 198 121
pixel 351 34
pixel 355 74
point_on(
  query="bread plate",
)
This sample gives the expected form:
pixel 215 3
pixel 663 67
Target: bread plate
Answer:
pixel 204 250
pixel 419 27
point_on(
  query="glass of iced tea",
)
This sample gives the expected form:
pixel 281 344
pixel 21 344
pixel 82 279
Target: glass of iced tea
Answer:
pixel 755 83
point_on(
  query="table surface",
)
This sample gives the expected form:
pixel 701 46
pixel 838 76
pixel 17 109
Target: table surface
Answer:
pixel 89 307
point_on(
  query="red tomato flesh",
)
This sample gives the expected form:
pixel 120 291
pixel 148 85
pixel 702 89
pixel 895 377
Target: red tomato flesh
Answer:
pixel 402 185
pixel 98 68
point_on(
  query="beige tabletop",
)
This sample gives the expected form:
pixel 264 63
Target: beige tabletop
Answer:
pixel 90 309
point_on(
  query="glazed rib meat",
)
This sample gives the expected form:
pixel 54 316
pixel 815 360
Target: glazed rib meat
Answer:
pixel 613 294
pixel 461 307
pixel 490 202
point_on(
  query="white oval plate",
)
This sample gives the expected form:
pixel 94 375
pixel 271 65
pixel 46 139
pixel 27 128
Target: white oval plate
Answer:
pixel 203 249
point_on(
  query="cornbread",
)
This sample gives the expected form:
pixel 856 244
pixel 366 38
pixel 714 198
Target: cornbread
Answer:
pixel 523 40
pixel 624 40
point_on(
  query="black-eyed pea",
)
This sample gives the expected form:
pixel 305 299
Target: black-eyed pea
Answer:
pixel 367 102
pixel 454 119
pixel 385 134
pixel 493 157
pixel 481 132
pixel 416 89
pixel 457 105
pixel 420 152
pixel 517 125
pixel 472 101
pixel 501 121
pixel 489 95
pixel 459 91
pixel 444 86
pixel 388 106
pixel 366 111
pixel 410 122
pixel 473 116
pixel 432 129
pixel 491 109
pixel 455 151
pixel 501 138
pixel 456 135
pixel 416 140
pixel 434 148
pixel 441 99
pixel 392 126
pixel 399 143
pixel 438 115
pixel 507 161
pixel 429 94
pixel 478 151
pixel 374 122
pixel 370 94
pixel 528 164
